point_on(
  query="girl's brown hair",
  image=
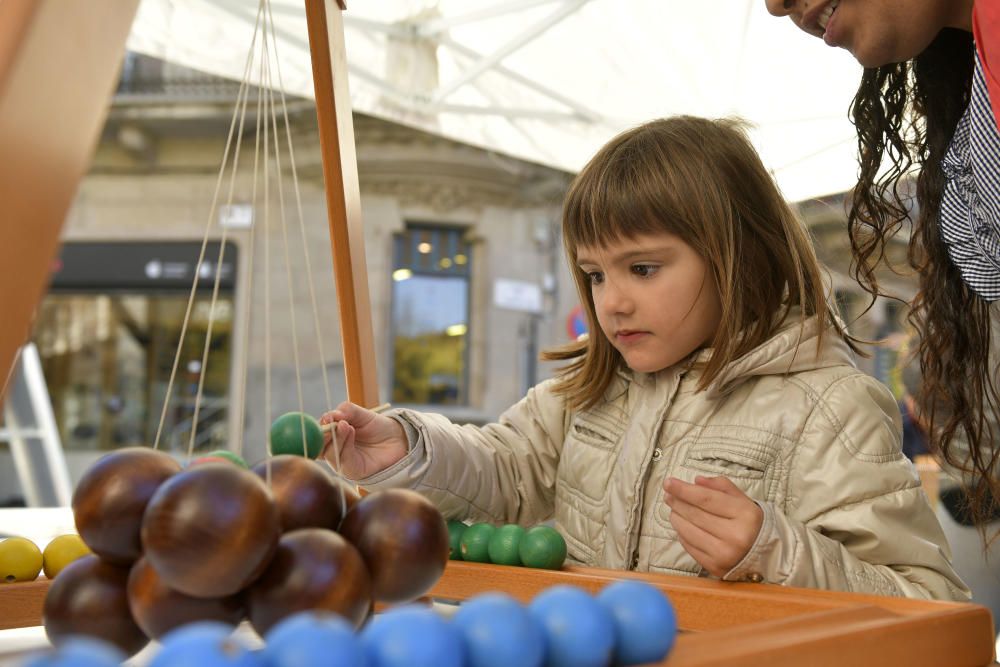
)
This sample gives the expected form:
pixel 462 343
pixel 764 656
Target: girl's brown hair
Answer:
pixel 702 181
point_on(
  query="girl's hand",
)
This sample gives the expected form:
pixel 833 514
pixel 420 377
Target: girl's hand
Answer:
pixel 716 522
pixel 367 442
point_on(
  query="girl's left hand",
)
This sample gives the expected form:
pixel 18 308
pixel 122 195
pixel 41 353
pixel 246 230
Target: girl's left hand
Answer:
pixel 716 522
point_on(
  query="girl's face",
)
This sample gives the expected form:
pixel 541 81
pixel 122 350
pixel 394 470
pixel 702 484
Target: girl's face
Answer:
pixel 656 300
pixel 876 32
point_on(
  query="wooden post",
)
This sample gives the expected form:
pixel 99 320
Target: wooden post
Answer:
pixel 59 64
pixel 343 197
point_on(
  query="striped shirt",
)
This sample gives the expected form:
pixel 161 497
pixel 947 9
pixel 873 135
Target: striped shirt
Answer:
pixel 970 203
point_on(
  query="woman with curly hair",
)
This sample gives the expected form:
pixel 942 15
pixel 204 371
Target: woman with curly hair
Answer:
pixel 928 103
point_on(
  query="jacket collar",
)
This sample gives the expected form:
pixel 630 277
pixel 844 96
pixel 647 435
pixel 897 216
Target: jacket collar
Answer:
pixel 792 349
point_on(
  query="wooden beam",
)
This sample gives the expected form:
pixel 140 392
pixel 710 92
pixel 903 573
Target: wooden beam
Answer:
pixel 59 64
pixel 22 603
pixel 343 197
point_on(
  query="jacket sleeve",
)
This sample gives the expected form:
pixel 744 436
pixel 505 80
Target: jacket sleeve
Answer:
pixel 503 472
pixel 858 519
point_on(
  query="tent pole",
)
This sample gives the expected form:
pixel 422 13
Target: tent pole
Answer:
pixel 343 196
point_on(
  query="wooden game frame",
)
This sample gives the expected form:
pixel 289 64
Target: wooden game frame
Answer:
pixel 728 623
pixel 45 153
pixel 722 623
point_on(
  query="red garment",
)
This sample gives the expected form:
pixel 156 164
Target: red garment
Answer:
pixel 986 30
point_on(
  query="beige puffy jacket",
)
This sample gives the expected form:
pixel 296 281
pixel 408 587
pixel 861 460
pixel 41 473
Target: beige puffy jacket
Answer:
pixel 813 440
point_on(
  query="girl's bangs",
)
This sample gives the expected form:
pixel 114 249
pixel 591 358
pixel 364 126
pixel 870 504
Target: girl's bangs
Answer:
pixel 615 204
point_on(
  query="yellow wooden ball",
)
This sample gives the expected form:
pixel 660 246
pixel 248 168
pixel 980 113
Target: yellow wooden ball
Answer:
pixel 20 560
pixel 62 551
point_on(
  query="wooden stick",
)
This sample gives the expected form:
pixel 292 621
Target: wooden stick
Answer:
pixel 343 197
pixel 378 408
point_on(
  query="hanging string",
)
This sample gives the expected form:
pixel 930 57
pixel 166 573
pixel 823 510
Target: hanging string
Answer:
pixel 288 262
pixel 302 229
pixel 204 245
pixel 248 299
pixel 308 266
pixel 267 115
pixel 265 77
pixel 241 108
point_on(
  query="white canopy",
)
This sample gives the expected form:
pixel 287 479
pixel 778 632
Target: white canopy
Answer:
pixel 551 80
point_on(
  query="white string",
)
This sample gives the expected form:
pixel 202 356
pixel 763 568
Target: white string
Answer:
pixel 265 111
pixel 288 262
pixel 302 228
pixel 248 299
pixel 308 265
pixel 241 109
pixel 265 76
pixel 201 254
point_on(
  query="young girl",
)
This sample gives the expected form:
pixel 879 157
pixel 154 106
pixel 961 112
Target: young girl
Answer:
pixel 713 422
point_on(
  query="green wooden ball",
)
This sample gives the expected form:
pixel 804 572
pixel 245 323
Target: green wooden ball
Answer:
pixel 229 455
pixel 455 531
pixel 287 435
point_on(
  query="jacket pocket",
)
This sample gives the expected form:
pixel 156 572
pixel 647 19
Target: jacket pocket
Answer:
pixel 589 453
pixel 746 454
pixel 722 460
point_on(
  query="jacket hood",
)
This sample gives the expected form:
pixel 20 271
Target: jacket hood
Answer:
pixel 793 349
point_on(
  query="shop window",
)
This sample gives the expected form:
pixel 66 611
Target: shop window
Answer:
pixel 107 334
pixel 107 362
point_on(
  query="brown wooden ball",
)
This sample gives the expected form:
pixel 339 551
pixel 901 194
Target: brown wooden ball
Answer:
pixel 305 493
pixel 403 540
pixel 111 497
pixel 209 531
pixel 314 568
pixel 157 608
pixel 89 598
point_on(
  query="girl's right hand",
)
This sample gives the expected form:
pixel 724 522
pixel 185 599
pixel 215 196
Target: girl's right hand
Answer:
pixel 368 442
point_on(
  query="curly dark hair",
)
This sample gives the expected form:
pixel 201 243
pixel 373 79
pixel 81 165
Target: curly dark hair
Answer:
pixel 905 115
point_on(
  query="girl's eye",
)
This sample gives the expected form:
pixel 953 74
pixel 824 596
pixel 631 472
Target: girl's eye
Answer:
pixel 644 270
pixel 596 277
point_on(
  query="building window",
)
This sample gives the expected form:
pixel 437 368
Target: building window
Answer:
pixel 430 316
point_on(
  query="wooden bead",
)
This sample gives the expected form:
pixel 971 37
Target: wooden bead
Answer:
pixel 111 497
pixel 209 531
pixel 157 608
pixel 314 568
pixel 89 598
pixel 403 540
pixel 305 494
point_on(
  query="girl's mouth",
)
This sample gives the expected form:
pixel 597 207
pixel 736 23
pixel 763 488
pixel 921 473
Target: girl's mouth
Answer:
pixel 626 336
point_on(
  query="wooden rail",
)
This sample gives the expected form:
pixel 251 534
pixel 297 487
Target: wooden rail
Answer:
pixel 727 623
pixel 723 623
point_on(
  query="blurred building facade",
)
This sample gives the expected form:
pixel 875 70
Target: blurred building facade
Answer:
pixel 465 268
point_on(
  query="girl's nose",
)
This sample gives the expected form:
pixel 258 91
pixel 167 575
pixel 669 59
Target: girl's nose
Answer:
pixel 615 301
pixel 781 7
